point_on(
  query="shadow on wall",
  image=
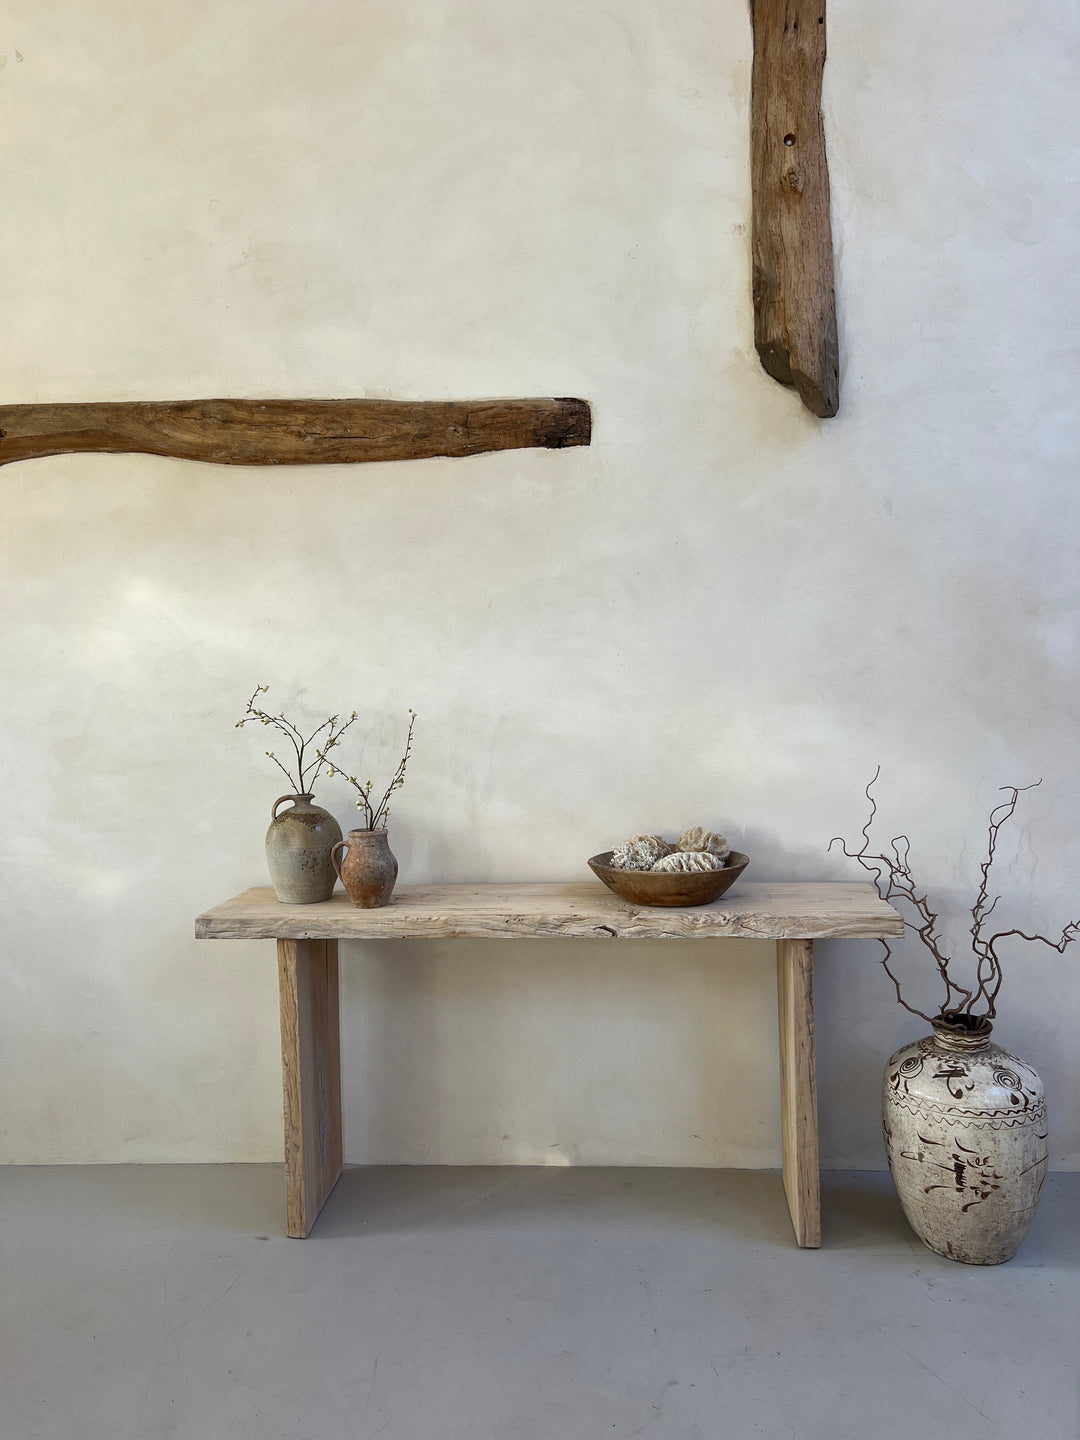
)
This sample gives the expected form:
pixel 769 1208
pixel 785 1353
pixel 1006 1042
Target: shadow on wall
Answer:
pixel 859 1025
pixel 583 1053
pixel 560 1053
pixel 857 1020
pixel 770 859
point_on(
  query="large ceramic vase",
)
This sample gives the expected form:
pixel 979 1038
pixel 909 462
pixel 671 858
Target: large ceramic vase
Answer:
pixel 367 868
pixel 298 846
pixel 965 1131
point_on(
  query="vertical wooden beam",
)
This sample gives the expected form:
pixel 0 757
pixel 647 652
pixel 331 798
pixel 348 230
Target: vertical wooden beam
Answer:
pixel 794 298
pixel 311 1076
pixel 798 1087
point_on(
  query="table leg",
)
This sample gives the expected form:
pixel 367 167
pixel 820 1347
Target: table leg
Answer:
pixel 798 1087
pixel 311 1075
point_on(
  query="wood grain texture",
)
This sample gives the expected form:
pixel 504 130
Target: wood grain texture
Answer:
pixel 798 1088
pixel 585 910
pixel 311 1077
pixel 794 298
pixel 293 432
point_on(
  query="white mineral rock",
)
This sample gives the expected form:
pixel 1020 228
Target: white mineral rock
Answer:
pixel 690 860
pixel 700 838
pixel 640 853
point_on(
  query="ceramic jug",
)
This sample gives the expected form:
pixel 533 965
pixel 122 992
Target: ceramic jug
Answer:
pixel 298 846
pixel 367 868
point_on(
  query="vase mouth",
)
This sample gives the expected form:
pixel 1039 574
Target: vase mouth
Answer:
pixel 955 1030
pixel 382 830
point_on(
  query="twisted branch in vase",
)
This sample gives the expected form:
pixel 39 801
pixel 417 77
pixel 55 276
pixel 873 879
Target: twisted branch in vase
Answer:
pixel 966 1007
pixel 306 771
pixel 376 816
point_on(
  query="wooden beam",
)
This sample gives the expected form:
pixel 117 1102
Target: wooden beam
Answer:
pixel 767 910
pixel 292 432
pixel 798 1088
pixel 794 298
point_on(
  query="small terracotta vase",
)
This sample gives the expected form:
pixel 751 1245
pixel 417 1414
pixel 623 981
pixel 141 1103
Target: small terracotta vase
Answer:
pixel 965 1133
pixel 367 869
pixel 298 845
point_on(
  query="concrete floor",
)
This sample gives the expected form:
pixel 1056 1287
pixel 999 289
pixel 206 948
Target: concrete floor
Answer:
pixel 164 1303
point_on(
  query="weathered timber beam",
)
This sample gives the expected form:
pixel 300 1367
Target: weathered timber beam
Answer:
pixel 292 432
pixel 794 299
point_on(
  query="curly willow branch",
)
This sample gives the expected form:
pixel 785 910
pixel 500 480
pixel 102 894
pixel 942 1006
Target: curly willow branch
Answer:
pixel 960 1000
pixel 901 886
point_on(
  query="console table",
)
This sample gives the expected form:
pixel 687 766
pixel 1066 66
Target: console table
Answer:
pixel 794 915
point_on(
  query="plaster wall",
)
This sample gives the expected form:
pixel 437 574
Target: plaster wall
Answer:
pixel 725 611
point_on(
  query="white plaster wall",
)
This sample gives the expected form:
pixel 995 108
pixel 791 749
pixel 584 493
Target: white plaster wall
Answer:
pixel 724 611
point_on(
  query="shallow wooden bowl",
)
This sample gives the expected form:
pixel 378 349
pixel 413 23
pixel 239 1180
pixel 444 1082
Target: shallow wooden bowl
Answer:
pixel 668 887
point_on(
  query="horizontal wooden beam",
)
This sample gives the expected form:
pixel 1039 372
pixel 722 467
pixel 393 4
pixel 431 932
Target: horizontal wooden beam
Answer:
pixel 292 432
pixel 769 910
pixel 794 299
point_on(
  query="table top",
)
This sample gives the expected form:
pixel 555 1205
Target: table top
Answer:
pixel 576 909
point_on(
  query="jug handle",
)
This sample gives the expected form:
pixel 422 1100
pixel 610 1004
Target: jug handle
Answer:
pixel 341 844
pixel 277 802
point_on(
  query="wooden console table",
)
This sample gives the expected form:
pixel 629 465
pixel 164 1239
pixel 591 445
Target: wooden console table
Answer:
pixel 794 915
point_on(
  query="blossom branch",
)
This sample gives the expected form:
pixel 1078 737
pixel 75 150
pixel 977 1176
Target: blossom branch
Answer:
pixel 305 772
pixel 375 816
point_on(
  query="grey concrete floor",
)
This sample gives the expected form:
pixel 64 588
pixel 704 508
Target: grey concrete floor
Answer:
pixel 164 1303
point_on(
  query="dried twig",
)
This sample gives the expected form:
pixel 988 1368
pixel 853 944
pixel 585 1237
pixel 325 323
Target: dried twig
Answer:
pixel 966 1007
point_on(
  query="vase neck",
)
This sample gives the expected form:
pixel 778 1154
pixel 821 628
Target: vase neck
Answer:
pixel 951 1037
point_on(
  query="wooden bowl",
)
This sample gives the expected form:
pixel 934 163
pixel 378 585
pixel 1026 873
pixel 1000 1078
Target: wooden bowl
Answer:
pixel 668 887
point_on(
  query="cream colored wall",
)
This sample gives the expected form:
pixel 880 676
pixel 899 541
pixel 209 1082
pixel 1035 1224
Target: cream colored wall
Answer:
pixel 725 611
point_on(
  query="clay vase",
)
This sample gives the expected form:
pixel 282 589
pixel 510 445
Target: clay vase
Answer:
pixel 965 1132
pixel 298 845
pixel 367 868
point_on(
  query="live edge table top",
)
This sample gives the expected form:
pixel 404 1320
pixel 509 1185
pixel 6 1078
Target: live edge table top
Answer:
pixel 578 910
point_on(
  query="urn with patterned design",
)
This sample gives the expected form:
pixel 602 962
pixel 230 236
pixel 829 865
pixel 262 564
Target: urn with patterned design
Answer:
pixel 966 1136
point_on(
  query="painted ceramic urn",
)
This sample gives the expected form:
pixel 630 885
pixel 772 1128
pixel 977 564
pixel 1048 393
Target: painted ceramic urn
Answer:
pixel 966 1136
pixel 298 846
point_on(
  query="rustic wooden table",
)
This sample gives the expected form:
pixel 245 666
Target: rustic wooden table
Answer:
pixel 794 915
